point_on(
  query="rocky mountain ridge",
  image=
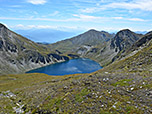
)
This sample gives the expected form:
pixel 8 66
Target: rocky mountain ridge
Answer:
pixel 89 38
pixel 99 46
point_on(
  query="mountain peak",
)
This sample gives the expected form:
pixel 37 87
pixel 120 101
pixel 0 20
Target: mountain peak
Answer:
pixel 104 31
pixel 124 39
pixel 150 32
pixel 2 25
pixel 92 30
pixel 125 31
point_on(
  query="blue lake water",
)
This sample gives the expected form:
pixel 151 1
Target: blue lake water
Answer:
pixel 72 66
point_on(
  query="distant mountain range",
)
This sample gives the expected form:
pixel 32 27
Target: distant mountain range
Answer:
pixel 141 32
pixel 52 35
pixel 45 35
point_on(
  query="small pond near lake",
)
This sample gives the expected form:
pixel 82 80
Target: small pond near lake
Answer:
pixel 72 66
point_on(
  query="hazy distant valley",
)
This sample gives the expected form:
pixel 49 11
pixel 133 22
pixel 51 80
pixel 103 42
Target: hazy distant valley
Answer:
pixel 46 35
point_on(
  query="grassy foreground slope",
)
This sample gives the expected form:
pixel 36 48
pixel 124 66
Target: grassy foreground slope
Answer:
pixel 123 87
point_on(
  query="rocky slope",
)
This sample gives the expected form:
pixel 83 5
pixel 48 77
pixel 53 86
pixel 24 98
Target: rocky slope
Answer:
pixel 138 58
pixel 115 47
pixel 123 87
pixel 18 54
pixel 123 40
pixel 137 46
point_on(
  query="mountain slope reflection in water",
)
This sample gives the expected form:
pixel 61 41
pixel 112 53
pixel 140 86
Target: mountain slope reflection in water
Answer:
pixel 73 66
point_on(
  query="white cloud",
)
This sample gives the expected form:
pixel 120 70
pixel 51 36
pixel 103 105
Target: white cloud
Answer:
pixel 77 18
pixel 145 5
pixel 128 19
pixel 135 4
pixel 36 2
pixel 16 6
pixel 36 13
pixel 136 19
pixel 62 28
pixel 117 17
pixel 87 17
pixel 31 19
pixel 79 29
pixel 54 13
pixel 90 10
pixel 21 26
pixel 95 18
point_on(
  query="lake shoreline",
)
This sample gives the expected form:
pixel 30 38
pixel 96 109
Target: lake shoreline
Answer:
pixel 72 66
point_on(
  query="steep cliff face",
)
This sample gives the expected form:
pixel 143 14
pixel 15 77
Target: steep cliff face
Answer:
pixel 18 54
pixel 124 39
pixel 137 58
pixel 145 41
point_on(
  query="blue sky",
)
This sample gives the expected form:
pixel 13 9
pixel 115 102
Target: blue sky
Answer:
pixel 77 15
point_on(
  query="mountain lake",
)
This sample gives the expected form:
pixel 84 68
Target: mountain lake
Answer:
pixel 73 66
